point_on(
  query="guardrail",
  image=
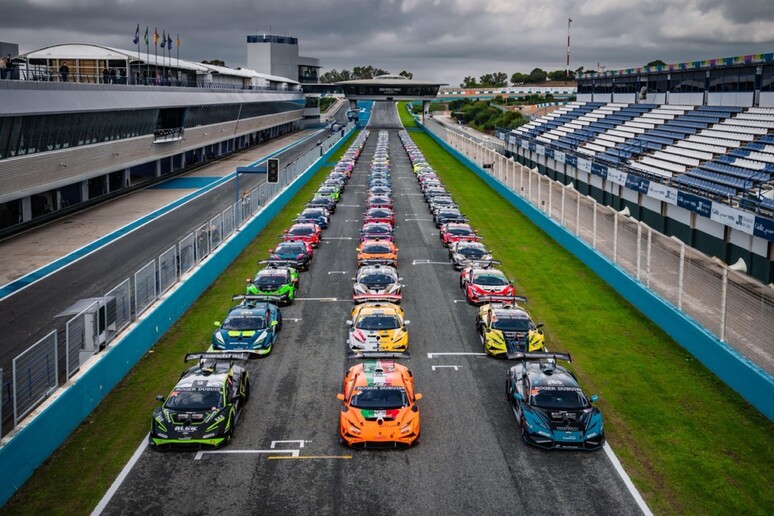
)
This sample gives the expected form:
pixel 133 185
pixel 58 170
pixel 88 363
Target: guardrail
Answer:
pixel 52 361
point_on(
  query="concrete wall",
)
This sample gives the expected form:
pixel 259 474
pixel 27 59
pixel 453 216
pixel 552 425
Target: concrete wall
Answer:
pixel 34 443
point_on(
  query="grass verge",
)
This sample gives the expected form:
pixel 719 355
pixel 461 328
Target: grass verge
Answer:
pixel 690 443
pixel 76 476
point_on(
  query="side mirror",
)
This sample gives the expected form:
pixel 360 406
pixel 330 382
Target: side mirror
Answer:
pixel 593 398
pixel 217 323
pixel 285 231
pixel 417 397
pixel 273 324
pixel 248 280
pixel 340 396
pixel 396 249
pixel 349 323
pixel 539 325
pixel 406 323
pixel 160 398
pixel 271 250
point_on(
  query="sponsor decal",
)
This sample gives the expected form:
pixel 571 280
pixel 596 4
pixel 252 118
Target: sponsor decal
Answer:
pixel 616 176
pixel 583 164
pixel 540 149
pixel 571 160
pixel 185 429
pixel 732 217
pixel 532 146
pixel 549 153
pixel 559 156
pixel 557 388
pixel 662 192
pixel 764 228
pixel 694 203
pixel 637 183
pixel 599 170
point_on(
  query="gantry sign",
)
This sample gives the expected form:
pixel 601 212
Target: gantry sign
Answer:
pixel 390 88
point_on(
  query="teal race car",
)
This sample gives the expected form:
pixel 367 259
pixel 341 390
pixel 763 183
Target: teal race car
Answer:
pixel 253 325
pixel 277 280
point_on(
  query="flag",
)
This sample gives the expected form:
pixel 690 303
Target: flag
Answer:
pixel 163 39
pixel 136 39
pixel 169 41
pixel 146 35
pixel 156 36
pixel 178 41
pixel 569 20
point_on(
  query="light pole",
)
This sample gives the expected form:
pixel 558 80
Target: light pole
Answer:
pixel 567 69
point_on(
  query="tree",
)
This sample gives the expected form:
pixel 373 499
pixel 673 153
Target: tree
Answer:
pixel 657 62
pixel 214 62
pixel 407 75
pixel 560 75
pixel 358 72
pixel 519 77
pixel 468 82
pixel 537 75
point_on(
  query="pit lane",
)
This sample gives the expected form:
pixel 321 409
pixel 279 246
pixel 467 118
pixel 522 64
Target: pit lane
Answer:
pixel 471 459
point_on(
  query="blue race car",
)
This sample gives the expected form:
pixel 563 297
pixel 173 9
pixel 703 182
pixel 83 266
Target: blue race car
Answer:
pixel 252 325
pixel 319 216
pixel 551 408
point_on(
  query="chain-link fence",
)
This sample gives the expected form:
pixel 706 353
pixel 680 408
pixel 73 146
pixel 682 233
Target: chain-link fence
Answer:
pixel 167 269
pixel 35 376
pixel 35 373
pixel 733 306
pixel 145 291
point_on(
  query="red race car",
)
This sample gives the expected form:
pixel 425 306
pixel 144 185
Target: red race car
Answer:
pixel 379 201
pixel 377 230
pixel 310 233
pixel 480 285
pixel 380 215
pixel 458 232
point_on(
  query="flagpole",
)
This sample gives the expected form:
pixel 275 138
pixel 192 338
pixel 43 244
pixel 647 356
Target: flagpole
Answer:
pixel 139 60
pixel 155 52
pixel 177 44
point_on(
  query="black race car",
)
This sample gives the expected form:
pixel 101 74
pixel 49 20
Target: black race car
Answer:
pixel 204 407
pixel 296 254
pixel 324 202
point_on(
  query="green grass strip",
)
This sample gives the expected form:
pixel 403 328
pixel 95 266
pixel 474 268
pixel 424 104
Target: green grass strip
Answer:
pixel 77 475
pixel 689 443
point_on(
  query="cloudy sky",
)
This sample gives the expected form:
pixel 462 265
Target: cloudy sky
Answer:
pixel 435 39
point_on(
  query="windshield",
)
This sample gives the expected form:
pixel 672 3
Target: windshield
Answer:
pixel 490 279
pixel 194 400
pixel 460 231
pixel 294 248
pixel 379 213
pixel 244 322
pixel 301 230
pixel 561 398
pixel 376 249
pixel 271 280
pixel 378 322
pixel 379 398
pixel 377 229
pixel 512 324
pixel 471 252
pixel 376 278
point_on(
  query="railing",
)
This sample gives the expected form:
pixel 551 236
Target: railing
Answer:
pixel 40 370
pixel 734 307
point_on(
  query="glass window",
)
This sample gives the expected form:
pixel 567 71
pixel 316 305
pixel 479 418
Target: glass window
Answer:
pixel 747 79
pixel 767 83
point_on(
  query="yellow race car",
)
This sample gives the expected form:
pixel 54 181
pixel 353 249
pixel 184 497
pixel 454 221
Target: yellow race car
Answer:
pixel 378 327
pixel 506 328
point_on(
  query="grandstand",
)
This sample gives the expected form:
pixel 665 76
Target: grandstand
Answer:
pixel 706 148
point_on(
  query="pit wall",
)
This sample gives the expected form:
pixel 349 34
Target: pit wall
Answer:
pixel 36 441
pixel 750 381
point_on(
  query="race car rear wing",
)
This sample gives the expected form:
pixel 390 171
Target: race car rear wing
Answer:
pixel 376 297
pixel 280 262
pixel 220 355
pixel 502 299
pixel 539 355
pixel 377 261
pixel 355 355
pixel 267 298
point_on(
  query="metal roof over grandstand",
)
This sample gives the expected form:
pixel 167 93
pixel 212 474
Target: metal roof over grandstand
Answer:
pixel 390 87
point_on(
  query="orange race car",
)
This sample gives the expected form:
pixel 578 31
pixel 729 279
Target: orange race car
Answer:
pixel 377 251
pixel 379 409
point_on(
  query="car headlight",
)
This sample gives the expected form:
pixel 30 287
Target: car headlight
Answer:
pixel 353 430
pixel 219 337
pixel 216 423
pixel 406 429
pixel 359 288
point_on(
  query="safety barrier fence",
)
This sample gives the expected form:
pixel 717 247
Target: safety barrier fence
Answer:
pixel 51 362
pixel 735 308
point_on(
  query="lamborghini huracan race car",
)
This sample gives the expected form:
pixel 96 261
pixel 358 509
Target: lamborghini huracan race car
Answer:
pixel 458 232
pixel 253 325
pixel 380 215
pixel 379 406
pixel 377 251
pixel 204 407
pixel 296 254
pixel 551 408
pixel 377 283
pixel 378 327
pixel 378 201
pixel 275 280
pixel 506 328
pixel 319 216
pixel 311 233
pixel 482 284
pixel 323 202
pixel 470 254
pixel 380 230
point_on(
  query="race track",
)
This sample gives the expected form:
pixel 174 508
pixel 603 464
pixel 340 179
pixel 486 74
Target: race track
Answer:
pixel 285 457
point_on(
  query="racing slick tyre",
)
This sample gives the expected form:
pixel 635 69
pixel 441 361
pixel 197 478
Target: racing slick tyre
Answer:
pixel 247 390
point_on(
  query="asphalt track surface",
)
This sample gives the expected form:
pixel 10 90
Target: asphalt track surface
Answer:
pixel 29 314
pixel 471 459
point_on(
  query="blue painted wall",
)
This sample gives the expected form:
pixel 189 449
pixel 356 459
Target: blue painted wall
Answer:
pixel 44 434
pixel 745 377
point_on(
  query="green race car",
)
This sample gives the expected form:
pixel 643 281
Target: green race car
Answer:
pixel 328 191
pixel 275 280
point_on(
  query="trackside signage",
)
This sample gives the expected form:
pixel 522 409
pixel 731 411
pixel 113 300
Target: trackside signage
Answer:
pixel 616 176
pixel 733 217
pixel 694 203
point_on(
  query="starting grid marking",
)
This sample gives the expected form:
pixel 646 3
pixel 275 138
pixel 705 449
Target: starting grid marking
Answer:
pixel 324 299
pixel 428 262
pixel 437 367
pixel 455 354
pixel 273 452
